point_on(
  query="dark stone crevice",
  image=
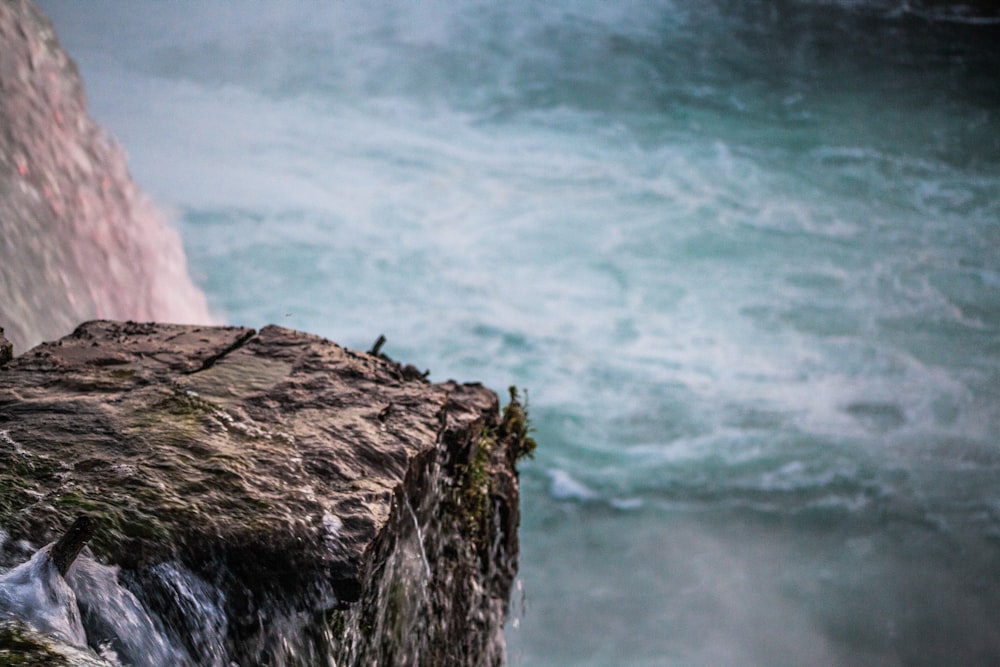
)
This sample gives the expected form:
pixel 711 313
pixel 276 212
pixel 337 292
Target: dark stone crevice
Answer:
pixel 237 344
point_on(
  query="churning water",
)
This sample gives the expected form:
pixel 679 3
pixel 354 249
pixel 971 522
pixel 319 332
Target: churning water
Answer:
pixel 745 256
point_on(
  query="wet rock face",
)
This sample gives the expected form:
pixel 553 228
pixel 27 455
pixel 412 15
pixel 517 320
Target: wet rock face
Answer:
pixel 305 484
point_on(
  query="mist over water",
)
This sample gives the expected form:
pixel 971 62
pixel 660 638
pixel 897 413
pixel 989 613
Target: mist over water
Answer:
pixel 744 257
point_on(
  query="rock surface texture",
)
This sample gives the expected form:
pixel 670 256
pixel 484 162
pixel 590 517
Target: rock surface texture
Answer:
pixel 78 240
pixel 334 507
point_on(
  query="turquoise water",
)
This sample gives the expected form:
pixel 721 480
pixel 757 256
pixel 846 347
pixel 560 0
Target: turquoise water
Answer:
pixel 743 256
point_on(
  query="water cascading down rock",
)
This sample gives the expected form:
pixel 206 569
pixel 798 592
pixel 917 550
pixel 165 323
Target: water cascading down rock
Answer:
pixel 269 497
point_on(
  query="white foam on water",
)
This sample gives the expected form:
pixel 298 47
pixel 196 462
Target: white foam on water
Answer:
pixel 202 617
pixel 92 611
pixel 734 278
pixel 117 620
pixel 564 487
pixel 35 593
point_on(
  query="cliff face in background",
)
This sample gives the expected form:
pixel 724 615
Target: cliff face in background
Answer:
pixel 271 497
pixel 78 240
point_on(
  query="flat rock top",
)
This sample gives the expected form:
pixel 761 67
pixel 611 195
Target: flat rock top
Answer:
pixel 198 442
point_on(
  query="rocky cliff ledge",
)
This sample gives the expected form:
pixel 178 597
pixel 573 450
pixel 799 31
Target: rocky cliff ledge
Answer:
pixel 269 497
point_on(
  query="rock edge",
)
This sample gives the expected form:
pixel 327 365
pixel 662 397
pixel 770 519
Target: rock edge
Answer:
pixel 300 478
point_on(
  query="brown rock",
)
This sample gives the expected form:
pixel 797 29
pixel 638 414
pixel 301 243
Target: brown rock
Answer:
pixel 301 479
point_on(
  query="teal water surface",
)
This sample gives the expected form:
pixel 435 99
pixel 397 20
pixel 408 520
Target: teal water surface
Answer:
pixel 743 256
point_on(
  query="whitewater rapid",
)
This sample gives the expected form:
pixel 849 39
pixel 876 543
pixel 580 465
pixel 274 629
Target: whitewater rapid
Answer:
pixel 743 257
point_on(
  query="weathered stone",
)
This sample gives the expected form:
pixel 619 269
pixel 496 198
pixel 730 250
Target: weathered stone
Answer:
pixel 302 479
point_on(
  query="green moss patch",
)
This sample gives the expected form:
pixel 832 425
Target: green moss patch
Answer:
pixel 22 648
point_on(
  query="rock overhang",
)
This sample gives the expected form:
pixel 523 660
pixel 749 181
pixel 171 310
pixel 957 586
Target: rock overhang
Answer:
pixel 276 452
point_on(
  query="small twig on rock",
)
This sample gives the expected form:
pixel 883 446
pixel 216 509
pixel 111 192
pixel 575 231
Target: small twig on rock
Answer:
pixel 65 551
pixel 377 347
